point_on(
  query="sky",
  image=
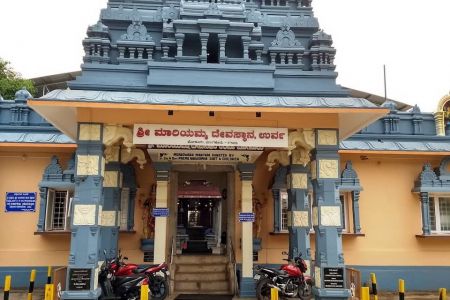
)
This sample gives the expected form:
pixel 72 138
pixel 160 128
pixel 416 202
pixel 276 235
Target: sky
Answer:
pixel 410 37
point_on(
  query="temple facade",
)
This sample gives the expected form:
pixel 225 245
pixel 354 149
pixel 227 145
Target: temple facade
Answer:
pixel 207 133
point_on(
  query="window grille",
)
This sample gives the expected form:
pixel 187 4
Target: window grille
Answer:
pixel 58 210
pixel 149 256
pixel 124 203
pixel 440 214
pixel 284 211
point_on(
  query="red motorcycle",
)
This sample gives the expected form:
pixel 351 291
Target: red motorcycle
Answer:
pixel 289 280
pixel 157 275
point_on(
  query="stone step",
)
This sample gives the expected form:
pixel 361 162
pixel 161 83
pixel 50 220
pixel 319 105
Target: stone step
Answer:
pixel 200 259
pixel 197 296
pixel 201 276
pixel 191 268
pixel 201 286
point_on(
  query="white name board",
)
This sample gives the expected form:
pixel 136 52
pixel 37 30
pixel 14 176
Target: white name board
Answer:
pixel 210 136
pixel 198 156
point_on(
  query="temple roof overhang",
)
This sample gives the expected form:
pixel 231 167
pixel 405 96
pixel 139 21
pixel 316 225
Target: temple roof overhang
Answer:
pixel 65 108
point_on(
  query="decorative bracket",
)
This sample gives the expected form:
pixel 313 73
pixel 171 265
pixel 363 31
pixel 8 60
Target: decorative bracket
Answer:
pixel 278 156
pixel 127 156
pixel 304 138
pixel 113 133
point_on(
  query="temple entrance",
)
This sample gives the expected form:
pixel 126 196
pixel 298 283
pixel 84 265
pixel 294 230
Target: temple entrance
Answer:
pixel 201 208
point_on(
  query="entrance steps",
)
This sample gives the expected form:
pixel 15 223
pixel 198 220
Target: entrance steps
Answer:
pixel 201 274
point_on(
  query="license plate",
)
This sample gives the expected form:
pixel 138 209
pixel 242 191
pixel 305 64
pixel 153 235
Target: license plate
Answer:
pixel 257 277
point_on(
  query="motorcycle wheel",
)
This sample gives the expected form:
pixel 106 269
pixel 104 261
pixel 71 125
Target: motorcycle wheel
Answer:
pixel 263 289
pixel 159 288
pixel 305 291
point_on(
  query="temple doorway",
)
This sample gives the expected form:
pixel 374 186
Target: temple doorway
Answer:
pixel 201 213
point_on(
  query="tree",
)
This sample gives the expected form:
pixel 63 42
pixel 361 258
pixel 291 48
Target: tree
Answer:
pixel 11 81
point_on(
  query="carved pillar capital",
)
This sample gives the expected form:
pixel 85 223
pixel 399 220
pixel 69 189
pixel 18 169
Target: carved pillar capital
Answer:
pixel 127 156
pixel 439 120
pixel 277 157
pixel 113 133
pixel 304 138
pixel 300 156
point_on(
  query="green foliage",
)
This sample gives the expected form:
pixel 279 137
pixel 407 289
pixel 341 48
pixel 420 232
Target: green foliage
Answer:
pixel 11 81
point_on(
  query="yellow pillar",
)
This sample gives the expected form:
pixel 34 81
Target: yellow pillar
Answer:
pixel 247 282
pixel 162 193
pixel 247 230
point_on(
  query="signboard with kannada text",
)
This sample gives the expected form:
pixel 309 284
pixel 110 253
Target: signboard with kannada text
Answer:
pixel 210 135
pixel 246 217
pixel 333 278
pixel 196 156
pixel 20 202
pixel 160 212
pixel 79 279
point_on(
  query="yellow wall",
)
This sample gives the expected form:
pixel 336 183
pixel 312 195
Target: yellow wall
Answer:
pixel 21 171
pixel 390 215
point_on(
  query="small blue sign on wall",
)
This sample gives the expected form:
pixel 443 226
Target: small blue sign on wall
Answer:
pixel 19 202
pixel 246 217
pixel 160 212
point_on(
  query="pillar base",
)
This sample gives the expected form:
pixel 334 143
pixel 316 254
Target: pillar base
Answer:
pixel 82 295
pixel 248 288
pixel 331 294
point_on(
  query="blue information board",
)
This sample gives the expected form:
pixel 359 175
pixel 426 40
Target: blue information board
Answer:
pixel 246 217
pixel 18 202
pixel 160 212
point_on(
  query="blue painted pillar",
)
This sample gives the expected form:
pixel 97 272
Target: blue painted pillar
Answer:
pixel 425 200
pixel 112 184
pixel 85 255
pixel 247 283
pixel 355 208
pixel 298 212
pixel 278 185
pixel 329 259
pixel 129 181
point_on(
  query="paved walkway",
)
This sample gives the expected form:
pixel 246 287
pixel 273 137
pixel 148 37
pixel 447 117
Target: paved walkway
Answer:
pixel 39 295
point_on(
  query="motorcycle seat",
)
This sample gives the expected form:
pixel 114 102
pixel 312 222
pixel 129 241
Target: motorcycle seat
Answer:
pixel 142 269
pixel 119 280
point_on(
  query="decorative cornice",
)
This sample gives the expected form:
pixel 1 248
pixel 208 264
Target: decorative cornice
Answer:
pixel 205 100
pixel 387 145
pixel 34 138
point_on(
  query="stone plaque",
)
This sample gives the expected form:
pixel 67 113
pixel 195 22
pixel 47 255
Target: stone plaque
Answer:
pixel 300 218
pixel 80 279
pixel 327 137
pixel 89 132
pixel 317 278
pixel 108 218
pixel 330 216
pixel 328 168
pixel 87 165
pixel 84 214
pixel 333 278
pixel 299 181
